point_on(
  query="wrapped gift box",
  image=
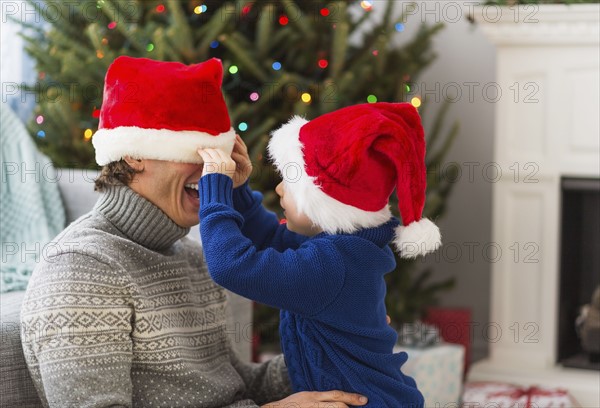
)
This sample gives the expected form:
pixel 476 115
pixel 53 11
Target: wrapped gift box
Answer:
pixel 503 395
pixel 438 371
pixel 454 325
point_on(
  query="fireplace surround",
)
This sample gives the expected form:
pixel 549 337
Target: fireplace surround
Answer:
pixel 549 133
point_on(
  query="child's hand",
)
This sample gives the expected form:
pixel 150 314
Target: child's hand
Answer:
pixel 216 161
pixel 242 161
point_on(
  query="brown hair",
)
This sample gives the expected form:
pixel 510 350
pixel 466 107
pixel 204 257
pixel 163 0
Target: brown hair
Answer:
pixel 115 173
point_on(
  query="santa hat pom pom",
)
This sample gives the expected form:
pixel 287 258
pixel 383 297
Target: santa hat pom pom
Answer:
pixel 417 238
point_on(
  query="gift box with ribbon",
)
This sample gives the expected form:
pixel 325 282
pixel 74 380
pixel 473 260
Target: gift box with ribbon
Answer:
pixel 438 372
pixel 454 325
pixel 503 395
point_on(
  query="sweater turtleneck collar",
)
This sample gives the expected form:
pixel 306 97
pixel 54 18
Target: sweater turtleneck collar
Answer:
pixel 138 219
pixel 381 235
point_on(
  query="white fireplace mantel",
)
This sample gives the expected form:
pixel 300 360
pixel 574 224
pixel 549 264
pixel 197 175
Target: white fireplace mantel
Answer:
pixel 549 25
pixel 547 127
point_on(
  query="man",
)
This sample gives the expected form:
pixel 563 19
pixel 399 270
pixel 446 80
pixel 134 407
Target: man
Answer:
pixel 123 313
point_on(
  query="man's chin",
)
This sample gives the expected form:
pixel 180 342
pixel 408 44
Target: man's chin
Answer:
pixel 189 223
pixel 189 216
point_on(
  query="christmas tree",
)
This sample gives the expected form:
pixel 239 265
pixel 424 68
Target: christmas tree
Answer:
pixel 280 58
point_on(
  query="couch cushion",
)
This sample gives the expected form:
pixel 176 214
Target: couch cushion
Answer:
pixel 76 187
pixel 16 387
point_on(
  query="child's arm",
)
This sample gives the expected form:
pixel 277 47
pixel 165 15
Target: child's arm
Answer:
pixel 305 280
pixel 260 225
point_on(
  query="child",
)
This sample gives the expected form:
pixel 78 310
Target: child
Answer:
pixel 325 267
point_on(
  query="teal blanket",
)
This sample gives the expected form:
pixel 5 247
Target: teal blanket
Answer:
pixel 31 210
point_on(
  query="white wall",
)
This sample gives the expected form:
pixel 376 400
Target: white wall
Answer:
pixel 464 56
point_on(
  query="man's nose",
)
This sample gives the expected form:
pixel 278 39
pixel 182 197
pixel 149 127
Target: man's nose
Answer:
pixel 279 189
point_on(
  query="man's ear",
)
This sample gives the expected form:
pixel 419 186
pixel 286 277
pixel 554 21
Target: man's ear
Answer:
pixel 136 164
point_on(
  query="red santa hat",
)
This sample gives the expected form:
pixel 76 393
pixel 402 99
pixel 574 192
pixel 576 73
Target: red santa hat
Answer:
pixel 342 167
pixel 162 110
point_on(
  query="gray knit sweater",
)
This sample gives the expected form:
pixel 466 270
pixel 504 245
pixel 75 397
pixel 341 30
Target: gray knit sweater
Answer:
pixel 122 313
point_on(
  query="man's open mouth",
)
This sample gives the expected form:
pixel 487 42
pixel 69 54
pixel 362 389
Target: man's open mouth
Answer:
pixel 191 190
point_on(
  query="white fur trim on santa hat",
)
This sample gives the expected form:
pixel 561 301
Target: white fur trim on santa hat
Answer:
pixel 417 238
pixel 331 215
pixel 158 144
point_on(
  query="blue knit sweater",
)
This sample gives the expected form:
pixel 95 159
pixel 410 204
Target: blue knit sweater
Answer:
pixel 330 289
